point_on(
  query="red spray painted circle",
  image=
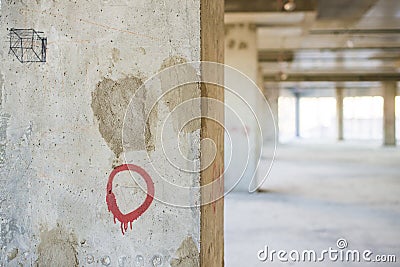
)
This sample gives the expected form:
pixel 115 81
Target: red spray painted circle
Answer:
pixel 112 202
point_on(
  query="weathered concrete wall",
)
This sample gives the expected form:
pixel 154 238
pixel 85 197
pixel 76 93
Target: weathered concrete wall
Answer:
pixel 60 126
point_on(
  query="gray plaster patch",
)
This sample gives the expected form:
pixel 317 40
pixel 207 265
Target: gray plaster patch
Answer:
pixel 57 248
pixel 15 195
pixel 187 254
pixel 110 101
pixel 1 89
pixel 3 137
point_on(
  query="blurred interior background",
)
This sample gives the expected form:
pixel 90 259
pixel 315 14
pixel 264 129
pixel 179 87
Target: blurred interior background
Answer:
pixel 330 71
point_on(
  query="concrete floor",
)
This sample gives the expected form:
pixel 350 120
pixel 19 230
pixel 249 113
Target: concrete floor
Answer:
pixel 316 194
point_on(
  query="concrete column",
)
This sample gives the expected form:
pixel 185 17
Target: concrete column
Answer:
pixel 241 49
pixel 297 115
pixel 241 53
pixel 71 185
pixel 272 95
pixel 339 112
pixel 389 116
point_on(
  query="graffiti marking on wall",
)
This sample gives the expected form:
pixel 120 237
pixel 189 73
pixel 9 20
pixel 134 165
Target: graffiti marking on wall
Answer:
pixel 112 202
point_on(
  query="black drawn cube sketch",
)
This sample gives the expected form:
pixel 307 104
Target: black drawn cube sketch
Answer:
pixel 28 45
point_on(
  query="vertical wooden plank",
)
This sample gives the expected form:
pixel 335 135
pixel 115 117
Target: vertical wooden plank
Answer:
pixel 212 214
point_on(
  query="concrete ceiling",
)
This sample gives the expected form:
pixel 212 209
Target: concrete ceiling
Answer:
pixel 341 39
pixel 343 9
pixel 237 6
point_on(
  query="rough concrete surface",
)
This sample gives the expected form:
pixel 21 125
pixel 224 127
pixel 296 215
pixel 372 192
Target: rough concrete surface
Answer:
pixel 60 136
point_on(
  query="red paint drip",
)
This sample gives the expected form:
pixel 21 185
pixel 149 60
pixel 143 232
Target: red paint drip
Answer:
pixel 112 202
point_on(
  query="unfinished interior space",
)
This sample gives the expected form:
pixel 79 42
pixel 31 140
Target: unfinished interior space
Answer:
pixel 199 133
pixel 330 73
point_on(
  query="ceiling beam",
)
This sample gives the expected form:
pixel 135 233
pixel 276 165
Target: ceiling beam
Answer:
pixel 336 55
pixel 344 9
pixel 354 31
pixel 337 60
pixel 275 56
pixel 334 77
pixel 267 6
pixel 332 49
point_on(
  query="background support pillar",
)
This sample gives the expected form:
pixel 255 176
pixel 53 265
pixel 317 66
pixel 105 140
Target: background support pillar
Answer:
pixel 389 116
pixel 339 112
pixel 297 116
